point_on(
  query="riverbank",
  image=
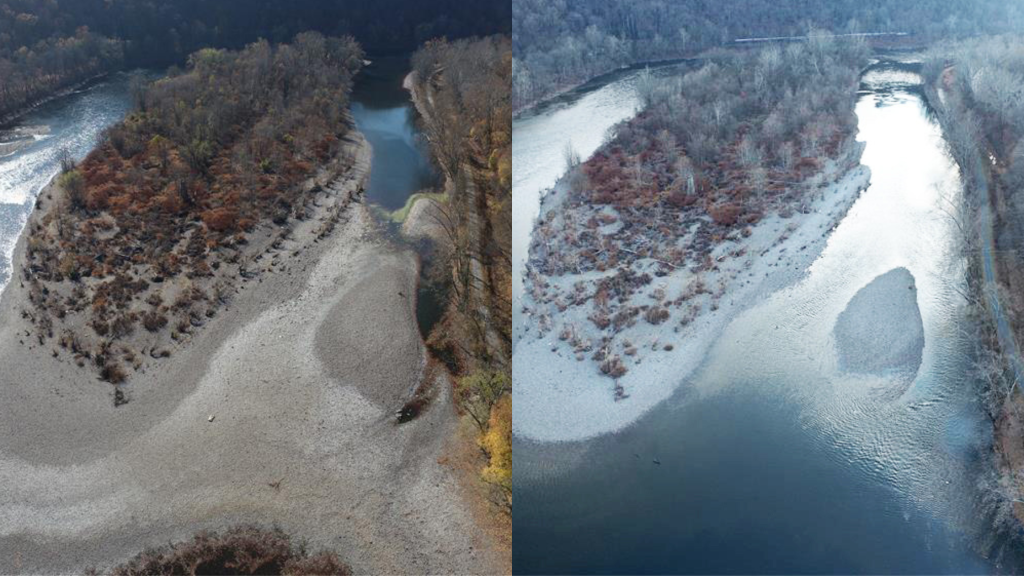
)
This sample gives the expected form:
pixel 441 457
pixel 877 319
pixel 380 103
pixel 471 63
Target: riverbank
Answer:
pixel 562 350
pixel 432 216
pixel 994 280
pixel 8 120
pixel 280 411
pixel 540 102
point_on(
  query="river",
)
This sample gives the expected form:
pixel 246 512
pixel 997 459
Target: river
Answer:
pixel 74 121
pixel 383 111
pixel 771 459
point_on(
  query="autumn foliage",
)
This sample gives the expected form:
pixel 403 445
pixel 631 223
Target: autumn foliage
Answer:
pixel 171 195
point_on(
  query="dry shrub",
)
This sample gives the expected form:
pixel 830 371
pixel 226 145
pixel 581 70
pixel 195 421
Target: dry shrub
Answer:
pixel 112 372
pixel 220 219
pixel 240 550
pixel 613 367
pixel 656 315
pixel 725 214
pixel 154 321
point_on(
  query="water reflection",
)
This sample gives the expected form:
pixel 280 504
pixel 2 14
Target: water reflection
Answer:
pixel 384 114
pixel 775 460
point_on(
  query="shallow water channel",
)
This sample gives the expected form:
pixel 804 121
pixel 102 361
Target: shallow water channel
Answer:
pixel 772 457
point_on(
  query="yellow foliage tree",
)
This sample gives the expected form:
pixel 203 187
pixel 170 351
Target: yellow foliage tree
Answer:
pixel 497 442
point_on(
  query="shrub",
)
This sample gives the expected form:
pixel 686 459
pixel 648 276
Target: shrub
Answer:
pixel 154 321
pixel 656 315
pixel 725 214
pixel 112 372
pixel 220 219
pixel 74 186
pixel 613 367
pixel 240 550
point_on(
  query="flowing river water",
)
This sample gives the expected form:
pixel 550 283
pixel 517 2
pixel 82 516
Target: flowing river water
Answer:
pixel 771 458
pixel 74 122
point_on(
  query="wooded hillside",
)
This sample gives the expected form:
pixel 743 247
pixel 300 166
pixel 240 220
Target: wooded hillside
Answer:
pixel 49 44
pixel 561 43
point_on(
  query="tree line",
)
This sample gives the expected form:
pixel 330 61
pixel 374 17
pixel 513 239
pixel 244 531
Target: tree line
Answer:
pixel 981 109
pixel 46 44
pixel 464 87
pixel 558 44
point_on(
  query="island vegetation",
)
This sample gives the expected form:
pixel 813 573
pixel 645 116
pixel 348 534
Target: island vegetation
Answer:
pixel 241 550
pixel 151 232
pixel 748 135
pixel 463 92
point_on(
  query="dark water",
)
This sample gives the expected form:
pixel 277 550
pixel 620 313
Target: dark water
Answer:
pixel 741 488
pixel 384 113
pixel 75 122
pixel 771 459
pixel 401 164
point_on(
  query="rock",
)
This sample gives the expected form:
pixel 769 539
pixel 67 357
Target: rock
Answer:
pixel 210 419
pixel 880 331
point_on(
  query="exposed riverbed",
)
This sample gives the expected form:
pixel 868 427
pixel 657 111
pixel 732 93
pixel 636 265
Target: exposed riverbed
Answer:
pixel 279 412
pixel 789 449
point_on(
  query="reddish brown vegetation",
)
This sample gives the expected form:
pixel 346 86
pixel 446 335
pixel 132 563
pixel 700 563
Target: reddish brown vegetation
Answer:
pixel 169 197
pixel 240 551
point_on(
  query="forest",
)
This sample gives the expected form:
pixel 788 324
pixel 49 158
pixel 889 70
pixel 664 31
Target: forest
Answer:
pixel 724 144
pixel 981 108
pixel 49 44
pixel 152 228
pixel 468 120
pixel 560 44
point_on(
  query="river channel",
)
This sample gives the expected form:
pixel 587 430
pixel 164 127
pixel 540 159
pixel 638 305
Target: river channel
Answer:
pixel 771 457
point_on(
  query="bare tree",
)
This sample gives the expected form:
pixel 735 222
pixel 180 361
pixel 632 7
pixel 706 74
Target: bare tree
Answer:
pixel 67 161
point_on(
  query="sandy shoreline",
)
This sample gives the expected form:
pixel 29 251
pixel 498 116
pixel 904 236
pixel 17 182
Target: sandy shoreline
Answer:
pixel 302 372
pixel 563 398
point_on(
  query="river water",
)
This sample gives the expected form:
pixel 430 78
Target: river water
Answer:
pixel 771 459
pixel 385 114
pixel 75 122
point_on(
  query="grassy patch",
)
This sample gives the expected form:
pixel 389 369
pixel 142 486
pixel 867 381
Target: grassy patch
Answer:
pixel 399 216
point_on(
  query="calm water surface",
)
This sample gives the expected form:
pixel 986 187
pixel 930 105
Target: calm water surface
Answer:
pixel 771 459
pixel 401 167
pixel 385 115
